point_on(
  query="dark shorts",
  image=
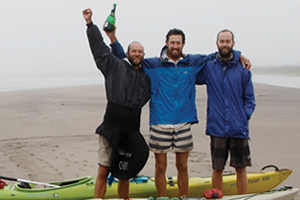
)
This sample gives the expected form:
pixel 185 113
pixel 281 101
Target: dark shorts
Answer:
pixel 238 148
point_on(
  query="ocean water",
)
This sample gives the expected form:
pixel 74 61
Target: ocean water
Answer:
pixel 25 83
pixel 278 80
pixel 38 82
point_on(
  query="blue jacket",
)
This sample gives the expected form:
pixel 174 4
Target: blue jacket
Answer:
pixel 172 86
pixel 230 98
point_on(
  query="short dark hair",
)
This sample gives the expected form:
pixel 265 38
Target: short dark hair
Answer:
pixel 225 30
pixel 175 31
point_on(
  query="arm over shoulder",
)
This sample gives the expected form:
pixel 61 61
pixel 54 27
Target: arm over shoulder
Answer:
pixel 118 50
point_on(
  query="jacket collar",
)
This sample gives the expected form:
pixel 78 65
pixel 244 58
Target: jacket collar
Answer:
pixel 225 59
pixel 129 63
pixel 234 59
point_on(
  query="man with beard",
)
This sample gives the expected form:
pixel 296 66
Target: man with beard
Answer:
pixel 172 105
pixel 230 105
pixel 122 149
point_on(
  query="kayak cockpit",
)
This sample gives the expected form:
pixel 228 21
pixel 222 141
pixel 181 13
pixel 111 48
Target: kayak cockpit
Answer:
pixel 22 186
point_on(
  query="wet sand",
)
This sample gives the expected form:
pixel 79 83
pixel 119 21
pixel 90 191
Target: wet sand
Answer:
pixel 48 134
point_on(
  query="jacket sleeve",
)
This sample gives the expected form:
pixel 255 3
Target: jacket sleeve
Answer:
pixel 248 94
pixel 200 60
pixel 117 50
pixel 201 77
pixel 104 60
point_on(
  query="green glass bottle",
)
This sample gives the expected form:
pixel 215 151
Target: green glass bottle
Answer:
pixel 110 20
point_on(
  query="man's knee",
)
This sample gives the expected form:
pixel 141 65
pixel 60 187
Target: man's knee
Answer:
pixel 161 167
pixel 218 172
pixel 240 170
pixel 182 161
pixel 102 172
pixel 182 167
pixel 123 182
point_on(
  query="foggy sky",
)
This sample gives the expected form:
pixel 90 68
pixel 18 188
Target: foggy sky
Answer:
pixel 49 37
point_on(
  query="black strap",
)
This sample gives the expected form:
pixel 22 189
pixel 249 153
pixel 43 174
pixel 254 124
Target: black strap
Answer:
pixel 171 182
pixel 268 166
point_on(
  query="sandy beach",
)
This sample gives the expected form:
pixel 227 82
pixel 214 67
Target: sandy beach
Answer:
pixel 48 134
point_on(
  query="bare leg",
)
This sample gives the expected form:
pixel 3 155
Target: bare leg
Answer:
pixel 123 188
pixel 217 179
pixel 160 174
pixel 100 186
pixel 182 176
pixel 241 180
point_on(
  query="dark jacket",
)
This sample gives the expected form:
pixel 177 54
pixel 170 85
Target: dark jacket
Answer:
pixel 125 85
pixel 127 91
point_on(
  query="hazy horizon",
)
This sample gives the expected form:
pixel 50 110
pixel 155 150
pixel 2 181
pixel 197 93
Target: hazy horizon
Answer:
pixel 48 38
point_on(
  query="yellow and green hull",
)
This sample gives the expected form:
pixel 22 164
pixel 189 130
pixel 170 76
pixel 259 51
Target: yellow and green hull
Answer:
pixel 257 183
pixel 142 187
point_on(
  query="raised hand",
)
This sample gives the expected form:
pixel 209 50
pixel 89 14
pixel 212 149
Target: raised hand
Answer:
pixel 87 14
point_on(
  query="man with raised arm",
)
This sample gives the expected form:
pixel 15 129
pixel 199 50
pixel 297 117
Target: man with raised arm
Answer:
pixel 122 149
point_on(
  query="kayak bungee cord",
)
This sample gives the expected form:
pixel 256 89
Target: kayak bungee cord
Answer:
pixel 26 181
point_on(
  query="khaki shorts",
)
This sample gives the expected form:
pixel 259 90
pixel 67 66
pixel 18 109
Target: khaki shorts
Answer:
pixel 162 140
pixel 105 152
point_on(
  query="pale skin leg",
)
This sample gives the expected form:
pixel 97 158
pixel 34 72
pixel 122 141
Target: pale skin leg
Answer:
pixel 100 186
pixel 160 174
pixel 241 180
pixel 182 176
pixel 217 179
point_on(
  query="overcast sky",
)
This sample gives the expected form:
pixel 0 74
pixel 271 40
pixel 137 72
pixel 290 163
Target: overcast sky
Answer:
pixel 48 37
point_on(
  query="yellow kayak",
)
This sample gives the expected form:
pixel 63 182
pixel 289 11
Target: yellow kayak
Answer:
pixel 257 183
pixel 140 187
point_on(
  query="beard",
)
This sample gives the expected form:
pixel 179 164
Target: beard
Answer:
pixel 135 62
pixel 174 54
pixel 225 52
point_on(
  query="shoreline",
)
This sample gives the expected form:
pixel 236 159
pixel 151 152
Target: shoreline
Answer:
pixel 48 134
pixel 285 76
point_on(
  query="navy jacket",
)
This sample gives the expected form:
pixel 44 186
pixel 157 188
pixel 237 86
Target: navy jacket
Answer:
pixel 231 100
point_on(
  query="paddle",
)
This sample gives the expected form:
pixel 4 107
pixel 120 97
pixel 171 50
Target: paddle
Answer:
pixel 26 181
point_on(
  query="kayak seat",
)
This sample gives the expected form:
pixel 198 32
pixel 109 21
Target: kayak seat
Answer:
pixel 68 182
pixel 24 185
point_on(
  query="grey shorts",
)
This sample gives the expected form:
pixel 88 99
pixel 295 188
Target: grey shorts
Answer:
pixel 105 152
pixel 238 148
pixel 162 140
